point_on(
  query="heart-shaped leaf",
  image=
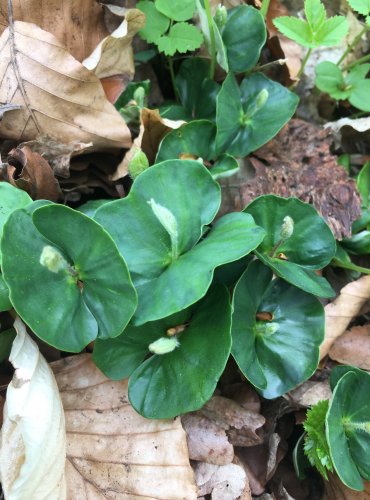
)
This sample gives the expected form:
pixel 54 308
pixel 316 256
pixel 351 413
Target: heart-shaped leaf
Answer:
pixel 176 381
pixel 348 428
pixel 244 35
pixel 157 229
pixel 298 241
pixel 276 331
pixel 66 277
pixel 249 116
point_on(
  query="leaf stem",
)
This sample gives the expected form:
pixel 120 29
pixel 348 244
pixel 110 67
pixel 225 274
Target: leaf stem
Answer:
pixel 356 63
pixel 352 45
pixel 264 7
pixel 10 13
pixel 304 62
pixel 212 39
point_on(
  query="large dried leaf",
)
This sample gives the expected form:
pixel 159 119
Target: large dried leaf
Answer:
pixel 339 313
pixel 59 96
pixel 112 452
pixel 33 442
pixel 353 347
pixel 77 24
pixel 225 482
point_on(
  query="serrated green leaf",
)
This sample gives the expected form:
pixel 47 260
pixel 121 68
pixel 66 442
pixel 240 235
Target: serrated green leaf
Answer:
pixel 156 23
pixel 329 79
pixel 295 29
pixel 315 14
pixel 178 10
pixel 361 6
pixel 315 445
pixel 331 32
pixel 182 37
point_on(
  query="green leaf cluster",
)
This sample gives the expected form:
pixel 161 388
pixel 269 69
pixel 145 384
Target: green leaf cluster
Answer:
pixel 167 26
pixel 317 30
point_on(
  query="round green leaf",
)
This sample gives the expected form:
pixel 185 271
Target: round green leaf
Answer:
pixel 170 269
pixel 329 79
pixel 244 35
pixel 348 428
pixel 5 303
pixel 156 23
pixel 310 247
pixel 249 116
pixel 167 385
pixel 84 293
pixel 178 10
pixel 278 353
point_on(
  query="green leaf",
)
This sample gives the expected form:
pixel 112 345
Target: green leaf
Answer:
pixel 295 29
pixel 5 303
pixel 329 79
pixel 197 92
pixel 315 14
pixel 11 198
pixel 342 259
pixel 363 184
pixel 178 10
pixel 156 23
pixel 358 244
pixel 172 269
pixel 332 32
pixel 131 91
pixel 361 6
pixel 348 428
pixel 360 87
pixel 310 247
pixel 69 289
pixel 338 371
pixel 244 35
pixel 6 342
pixel 244 120
pixel 180 381
pixel 315 445
pixel 300 461
pixel 182 37
pixel 279 353
pixel 90 207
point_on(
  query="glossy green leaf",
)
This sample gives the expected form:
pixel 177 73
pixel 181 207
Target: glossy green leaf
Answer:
pixel 182 37
pixel 11 198
pixel 90 207
pixel 358 244
pixel 339 371
pixel 342 259
pixel 348 428
pixel 249 116
pixel 363 184
pixel 66 277
pixel 5 303
pixel 167 385
pixel 6 342
pixel 157 230
pixel 311 246
pixel 178 10
pixel 329 79
pixel 156 23
pixel 244 35
pixel 279 353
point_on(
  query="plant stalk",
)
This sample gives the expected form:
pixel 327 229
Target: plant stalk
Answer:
pixel 265 7
pixel 352 45
pixel 304 62
pixel 212 68
pixel 356 63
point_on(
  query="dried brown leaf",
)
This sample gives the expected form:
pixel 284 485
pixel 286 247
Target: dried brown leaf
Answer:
pixel 339 313
pixel 32 173
pixel 77 24
pixel 112 452
pixel 207 442
pixel 309 393
pixel 225 482
pixel 336 490
pixel 59 96
pixel 353 347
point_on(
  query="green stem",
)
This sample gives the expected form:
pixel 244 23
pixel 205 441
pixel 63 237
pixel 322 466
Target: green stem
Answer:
pixel 356 63
pixel 212 68
pixel 173 79
pixel 304 62
pixel 352 45
pixel 265 7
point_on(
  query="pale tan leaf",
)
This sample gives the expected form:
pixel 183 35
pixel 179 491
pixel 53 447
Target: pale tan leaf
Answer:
pixel 309 393
pixel 338 314
pixel 59 96
pixel 353 347
pixel 112 452
pixel 225 482
pixel 33 441
pixel 77 24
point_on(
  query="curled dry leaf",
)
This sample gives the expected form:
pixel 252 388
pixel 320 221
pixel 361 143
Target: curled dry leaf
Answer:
pixel 353 347
pixel 112 452
pixel 339 313
pixel 32 173
pixel 33 442
pixel 152 130
pixel 225 482
pixel 243 427
pixel 77 24
pixel 113 57
pixel 55 91
pixel 207 442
